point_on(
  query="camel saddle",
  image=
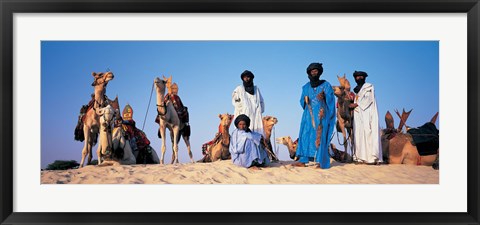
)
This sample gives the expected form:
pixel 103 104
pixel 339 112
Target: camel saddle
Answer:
pixel 136 136
pixel 182 111
pixel 426 139
pixel 218 137
pixel 79 136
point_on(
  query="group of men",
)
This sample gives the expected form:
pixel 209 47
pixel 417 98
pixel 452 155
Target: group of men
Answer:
pixel 316 128
pixel 317 100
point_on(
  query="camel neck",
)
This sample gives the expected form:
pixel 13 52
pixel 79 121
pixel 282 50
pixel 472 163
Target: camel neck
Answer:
pixel 160 102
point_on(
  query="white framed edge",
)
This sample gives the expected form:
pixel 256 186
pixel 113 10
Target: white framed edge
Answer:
pixel 450 29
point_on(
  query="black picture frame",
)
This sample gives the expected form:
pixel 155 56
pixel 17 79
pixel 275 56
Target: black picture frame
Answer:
pixel 10 7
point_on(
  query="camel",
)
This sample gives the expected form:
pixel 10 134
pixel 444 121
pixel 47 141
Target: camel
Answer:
pixel 105 140
pixel 397 147
pixel 218 148
pixel 345 114
pixel 291 145
pixel 91 122
pixel 122 149
pixel 268 123
pixel 169 119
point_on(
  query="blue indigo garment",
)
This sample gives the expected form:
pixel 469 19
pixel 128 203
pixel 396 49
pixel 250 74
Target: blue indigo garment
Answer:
pixel 307 149
pixel 245 148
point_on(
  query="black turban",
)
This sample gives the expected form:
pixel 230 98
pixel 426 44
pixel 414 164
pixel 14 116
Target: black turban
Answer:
pixel 317 66
pixel 247 73
pixel 242 117
pixel 359 73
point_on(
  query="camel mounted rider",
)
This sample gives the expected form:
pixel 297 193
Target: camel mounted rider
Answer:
pixel 138 140
pixel 182 111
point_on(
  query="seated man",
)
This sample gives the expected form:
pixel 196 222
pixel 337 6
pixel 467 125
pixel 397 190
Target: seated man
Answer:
pixel 138 140
pixel 246 146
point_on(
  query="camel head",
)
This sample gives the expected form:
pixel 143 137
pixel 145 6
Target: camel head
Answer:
pixel 291 146
pixel 269 121
pixel 344 86
pixel 102 78
pixel 160 85
pixel 285 140
pixel 106 115
pixel 225 119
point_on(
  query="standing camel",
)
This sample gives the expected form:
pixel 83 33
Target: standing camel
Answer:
pixel 345 114
pixel 169 119
pixel 91 121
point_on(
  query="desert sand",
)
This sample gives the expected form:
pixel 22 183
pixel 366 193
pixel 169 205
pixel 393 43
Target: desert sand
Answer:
pixel 224 172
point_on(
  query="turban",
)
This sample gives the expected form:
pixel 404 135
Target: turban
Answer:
pixel 247 73
pixel 242 117
pixel 359 73
pixel 317 66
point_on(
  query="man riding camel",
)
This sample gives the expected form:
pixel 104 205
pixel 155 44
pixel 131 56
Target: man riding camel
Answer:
pixel 182 111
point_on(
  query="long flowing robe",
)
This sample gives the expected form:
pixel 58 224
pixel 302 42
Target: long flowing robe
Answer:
pixel 365 126
pixel 245 148
pixel 250 105
pixel 306 149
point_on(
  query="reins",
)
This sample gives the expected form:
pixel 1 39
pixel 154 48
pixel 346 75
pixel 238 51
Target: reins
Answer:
pixel 148 107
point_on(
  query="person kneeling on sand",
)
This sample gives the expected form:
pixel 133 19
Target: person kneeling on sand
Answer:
pixel 246 146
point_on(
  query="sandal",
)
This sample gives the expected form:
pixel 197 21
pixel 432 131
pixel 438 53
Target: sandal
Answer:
pixel 298 164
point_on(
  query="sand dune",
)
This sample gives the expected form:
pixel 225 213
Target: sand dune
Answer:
pixel 224 172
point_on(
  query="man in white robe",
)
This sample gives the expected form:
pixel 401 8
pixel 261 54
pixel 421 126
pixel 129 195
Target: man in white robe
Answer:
pixel 367 140
pixel 248 100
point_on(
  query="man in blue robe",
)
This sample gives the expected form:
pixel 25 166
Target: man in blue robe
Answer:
pixel 246 146
pixel 318 120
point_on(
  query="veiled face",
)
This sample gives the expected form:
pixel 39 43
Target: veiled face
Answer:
pixel 246 78
pixel 314 72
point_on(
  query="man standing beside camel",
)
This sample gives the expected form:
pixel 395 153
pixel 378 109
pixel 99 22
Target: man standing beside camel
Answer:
pixel 248 100
pixel 318 120
pixel 365 122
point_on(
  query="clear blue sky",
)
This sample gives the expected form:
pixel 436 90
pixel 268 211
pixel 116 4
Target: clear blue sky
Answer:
pixel 405 75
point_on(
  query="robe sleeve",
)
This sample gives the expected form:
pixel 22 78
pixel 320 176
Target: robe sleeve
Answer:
pixel 255 137
pixel 366 99
pixel 331 115
pixel 330 100
pixel 302 98
pixel 236 100
pixel 237 144
pixel 262 103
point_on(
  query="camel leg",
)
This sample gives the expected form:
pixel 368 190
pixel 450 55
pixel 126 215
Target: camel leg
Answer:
pixel 89 151
pixel 175 143
pixel 162 133
pixel 173 150
pixel 86 134
pixel 187 142
pixel 99 153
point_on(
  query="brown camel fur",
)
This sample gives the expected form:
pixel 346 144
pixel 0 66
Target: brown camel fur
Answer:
pixel 218 148
pixel 91 122
pixel 344 114
pixel 397 146
pixel 169 119
pixel 268 123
